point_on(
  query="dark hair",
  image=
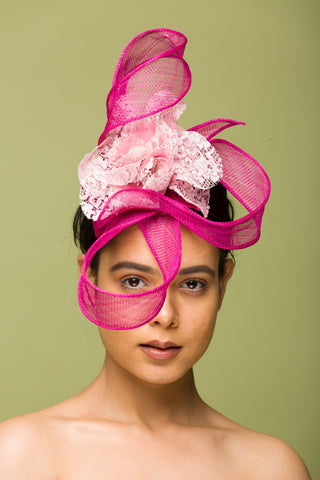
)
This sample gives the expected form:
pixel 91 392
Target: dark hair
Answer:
pixel 221 210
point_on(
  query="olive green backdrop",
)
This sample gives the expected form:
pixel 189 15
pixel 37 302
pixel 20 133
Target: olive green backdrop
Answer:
pixel 253 61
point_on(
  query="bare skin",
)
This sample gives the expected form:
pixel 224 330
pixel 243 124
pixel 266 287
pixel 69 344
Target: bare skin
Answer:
pixel 142 417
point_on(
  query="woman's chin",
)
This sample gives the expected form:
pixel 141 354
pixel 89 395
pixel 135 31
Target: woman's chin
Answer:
pixel 163 376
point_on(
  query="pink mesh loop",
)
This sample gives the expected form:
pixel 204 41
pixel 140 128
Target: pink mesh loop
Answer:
pixel 232 235
pixel 211 128
pixel 149 45
pixel 125 311
pixel 243 176
pixel 151 76
pixel 115 312
pixel 168 259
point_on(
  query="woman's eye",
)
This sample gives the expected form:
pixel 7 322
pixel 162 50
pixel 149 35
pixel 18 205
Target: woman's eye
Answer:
pixel 133 282
pixel 194 285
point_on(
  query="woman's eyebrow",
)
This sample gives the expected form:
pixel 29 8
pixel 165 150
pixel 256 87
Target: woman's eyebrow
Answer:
pixel 196 269
pixel 136 266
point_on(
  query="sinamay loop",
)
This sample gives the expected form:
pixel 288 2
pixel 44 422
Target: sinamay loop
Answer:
pixel 150 172
pixel 123 311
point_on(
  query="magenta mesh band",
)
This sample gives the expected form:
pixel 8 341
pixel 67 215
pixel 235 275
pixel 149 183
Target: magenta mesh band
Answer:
pixel 152 77
pixel 125 311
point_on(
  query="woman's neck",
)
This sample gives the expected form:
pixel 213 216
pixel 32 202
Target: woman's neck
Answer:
pixel 119 396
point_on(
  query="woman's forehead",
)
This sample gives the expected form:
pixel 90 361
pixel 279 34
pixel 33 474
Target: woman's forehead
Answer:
pixel 130 244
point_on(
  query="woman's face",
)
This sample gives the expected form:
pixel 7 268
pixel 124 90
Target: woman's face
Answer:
pixel 166 348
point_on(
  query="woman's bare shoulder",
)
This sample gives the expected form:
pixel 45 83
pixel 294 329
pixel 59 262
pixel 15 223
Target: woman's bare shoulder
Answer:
pixel 273 458
pixel 25 450
pixel 29 443
pixel 261 456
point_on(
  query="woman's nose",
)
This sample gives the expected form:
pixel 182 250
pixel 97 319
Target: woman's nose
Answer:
pixel 168 315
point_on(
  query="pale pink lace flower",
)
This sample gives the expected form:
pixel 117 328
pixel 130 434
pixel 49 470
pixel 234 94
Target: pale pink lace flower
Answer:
pixel 151 153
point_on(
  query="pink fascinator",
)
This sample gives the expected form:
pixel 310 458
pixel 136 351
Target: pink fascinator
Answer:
pixel 147 170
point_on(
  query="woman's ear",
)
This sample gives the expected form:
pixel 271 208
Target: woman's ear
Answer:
pixel 223 281
pixel 90 275
pixel 80 263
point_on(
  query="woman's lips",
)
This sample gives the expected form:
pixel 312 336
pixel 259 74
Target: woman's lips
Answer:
pixel 160 350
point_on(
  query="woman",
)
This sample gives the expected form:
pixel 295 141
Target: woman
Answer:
pixel 156 230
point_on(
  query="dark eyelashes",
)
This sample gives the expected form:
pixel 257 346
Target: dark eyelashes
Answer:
pixel 192 286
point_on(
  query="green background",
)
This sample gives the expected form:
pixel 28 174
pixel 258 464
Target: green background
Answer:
pixel 253 61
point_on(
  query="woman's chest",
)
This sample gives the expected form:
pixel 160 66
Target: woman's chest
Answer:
pixel 141 466
pixel 128 455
